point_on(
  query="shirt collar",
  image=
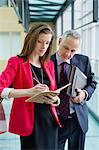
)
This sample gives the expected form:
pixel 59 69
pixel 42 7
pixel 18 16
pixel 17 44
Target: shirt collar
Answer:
pixel 60 61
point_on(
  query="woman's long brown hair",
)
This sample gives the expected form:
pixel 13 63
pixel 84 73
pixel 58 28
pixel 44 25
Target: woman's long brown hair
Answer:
pixel 31 38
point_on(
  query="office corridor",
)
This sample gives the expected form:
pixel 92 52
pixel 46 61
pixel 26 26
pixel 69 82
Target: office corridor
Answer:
pixel 10 141
pixel 16 18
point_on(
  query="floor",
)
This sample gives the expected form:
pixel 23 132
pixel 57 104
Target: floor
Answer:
pixel 92 136
pixel 10 141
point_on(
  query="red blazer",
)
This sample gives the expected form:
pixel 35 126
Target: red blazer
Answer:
pixel 18 74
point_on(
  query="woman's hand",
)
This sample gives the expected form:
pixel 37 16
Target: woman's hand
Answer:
pixel 16 93
pixel 54 100
pixel 38 88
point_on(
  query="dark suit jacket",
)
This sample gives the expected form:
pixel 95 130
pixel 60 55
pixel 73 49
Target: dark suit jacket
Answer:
pixel 83 63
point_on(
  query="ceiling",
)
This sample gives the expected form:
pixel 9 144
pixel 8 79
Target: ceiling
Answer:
pixel 39 10
pixel 45 10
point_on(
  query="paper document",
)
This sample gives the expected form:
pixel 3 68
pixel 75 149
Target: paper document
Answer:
pixel 78 80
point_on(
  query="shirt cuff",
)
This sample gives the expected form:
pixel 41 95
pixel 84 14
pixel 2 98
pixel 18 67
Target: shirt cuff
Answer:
pixel 6 92
pixel 86 93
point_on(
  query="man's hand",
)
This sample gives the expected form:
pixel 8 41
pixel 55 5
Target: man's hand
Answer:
pixel 80 96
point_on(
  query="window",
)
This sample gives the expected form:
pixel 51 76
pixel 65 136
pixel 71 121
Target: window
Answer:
pixel 4 46
pixel 9 44
pixel 83 12
pixel 58 27
pixel 67 19
pixel 15 43
pixel 3 3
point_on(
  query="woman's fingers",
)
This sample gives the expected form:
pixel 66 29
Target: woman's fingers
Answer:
pixel 47 99
pixel 43 87
pixel 51 100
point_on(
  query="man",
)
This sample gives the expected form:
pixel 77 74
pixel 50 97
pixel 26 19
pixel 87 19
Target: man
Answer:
pixel 75 126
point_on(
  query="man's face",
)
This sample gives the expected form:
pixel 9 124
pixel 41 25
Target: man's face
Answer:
pixel 68 47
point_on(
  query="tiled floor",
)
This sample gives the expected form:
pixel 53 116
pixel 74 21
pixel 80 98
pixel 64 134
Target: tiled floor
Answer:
pixel 10 141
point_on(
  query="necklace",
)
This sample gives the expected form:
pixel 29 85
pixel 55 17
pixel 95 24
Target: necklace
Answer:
pixel 35 76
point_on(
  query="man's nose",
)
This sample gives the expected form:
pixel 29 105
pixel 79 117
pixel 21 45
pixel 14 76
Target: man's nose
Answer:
pixel 69 54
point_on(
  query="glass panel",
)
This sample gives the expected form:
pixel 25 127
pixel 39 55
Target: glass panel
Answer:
pixel 4 46
pixel 43 2
pixel 67 19
pixel 45 9
pixel 44 12
pixel 3 3
pixel 98 9
pixel 83 12
pixel 90 48
pixel 58 27
pixel 40 17
pixel 15 43
pixel 93 104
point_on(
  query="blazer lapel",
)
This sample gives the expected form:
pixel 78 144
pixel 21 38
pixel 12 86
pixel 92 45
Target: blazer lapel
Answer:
pixel 28 73
pixel 53 58
pixel 48 72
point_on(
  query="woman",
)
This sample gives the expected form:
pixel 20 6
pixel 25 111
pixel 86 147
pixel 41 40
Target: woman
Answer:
pixel 35 123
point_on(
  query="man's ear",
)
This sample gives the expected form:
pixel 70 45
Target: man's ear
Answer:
pixel 59 41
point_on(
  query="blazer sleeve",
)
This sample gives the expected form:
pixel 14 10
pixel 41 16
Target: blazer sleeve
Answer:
pixel 8 75
pixel 91 83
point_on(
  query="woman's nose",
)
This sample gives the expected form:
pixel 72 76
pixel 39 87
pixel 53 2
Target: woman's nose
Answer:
pixel 43 45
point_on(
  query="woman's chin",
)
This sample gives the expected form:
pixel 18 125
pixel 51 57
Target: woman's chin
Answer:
pixel 41 54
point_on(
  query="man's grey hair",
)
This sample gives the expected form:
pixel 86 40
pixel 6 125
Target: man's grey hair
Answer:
pixel 71 33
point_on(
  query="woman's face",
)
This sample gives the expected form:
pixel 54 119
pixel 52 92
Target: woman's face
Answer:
pixel 42 44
